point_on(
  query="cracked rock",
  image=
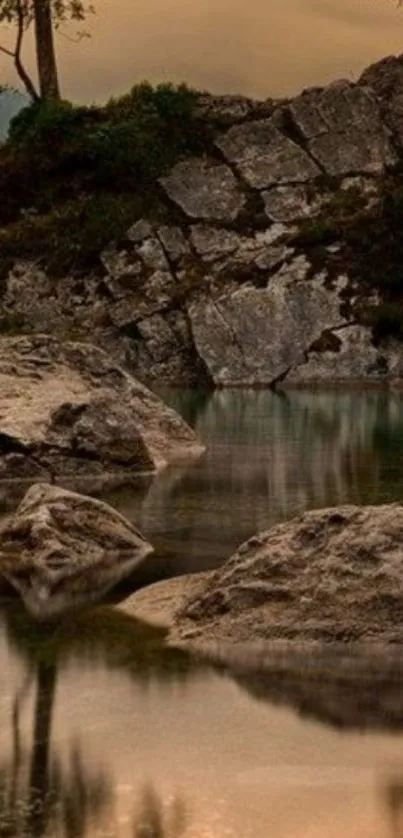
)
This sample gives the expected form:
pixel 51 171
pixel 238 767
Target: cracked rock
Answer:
pixel 264 156
pixel 386 79
pixel 342 128
pixel 174 242
pixel 253 336
pixel 204 189
pixel 287 203
pixel 356 358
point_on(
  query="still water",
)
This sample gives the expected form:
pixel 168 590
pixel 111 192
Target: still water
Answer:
pixel 107 733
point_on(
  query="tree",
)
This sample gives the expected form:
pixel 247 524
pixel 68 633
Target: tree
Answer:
pixel 44 17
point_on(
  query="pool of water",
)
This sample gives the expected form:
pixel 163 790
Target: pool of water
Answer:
pixel 106 732
pixel 269 456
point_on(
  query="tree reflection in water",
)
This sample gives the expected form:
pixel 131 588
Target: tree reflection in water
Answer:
pixel 394 803
pixel 38 795
pixel 43 795
pixel 153 821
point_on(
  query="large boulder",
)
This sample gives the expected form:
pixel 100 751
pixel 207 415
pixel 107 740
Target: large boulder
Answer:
pixel 329 575
pixel 342 128
pixel 69 408
pixel 385 77
pixel 266 157
pixel 61 550
pixel 256 335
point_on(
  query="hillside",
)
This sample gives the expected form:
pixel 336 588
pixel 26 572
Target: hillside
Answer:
pixel 214 240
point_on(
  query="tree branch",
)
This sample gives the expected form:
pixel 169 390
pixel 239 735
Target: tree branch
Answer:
pixel 7 51
pixel 25 78
pixel 16 54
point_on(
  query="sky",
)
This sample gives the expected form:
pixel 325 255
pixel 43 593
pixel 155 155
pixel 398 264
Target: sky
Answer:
pixel 259 48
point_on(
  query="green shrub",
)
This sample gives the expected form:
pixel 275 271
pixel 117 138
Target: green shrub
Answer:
pixel 134 138
pixel 72 236
pixel 47 126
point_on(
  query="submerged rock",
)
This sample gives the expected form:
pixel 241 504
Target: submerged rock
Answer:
pixel 61 550
pixel 329 575
pixel 68 408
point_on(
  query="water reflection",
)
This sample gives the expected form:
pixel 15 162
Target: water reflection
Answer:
pixel 350 687
pixel 44 792
pixel 106 733
pixel 269 456
pixel 152 821
pixel 38 794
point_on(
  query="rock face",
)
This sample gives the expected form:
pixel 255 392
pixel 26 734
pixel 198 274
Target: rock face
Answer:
pixel 343 129
pixel 62 550
pixel 349 353
pixel 265 157
pixel 68 408
pixel 332 575
pixel 254 336
pixel 216 286
pixel 204 189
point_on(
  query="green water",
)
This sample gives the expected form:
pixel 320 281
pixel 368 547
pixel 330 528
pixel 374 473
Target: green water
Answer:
pixel 105 731
pixel 269 456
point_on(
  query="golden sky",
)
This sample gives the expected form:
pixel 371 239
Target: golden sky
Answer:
pixel 256 47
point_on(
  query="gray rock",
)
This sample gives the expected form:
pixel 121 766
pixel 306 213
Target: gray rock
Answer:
pixel 343 130
pixel 254 336
pixel 61 550
pixel 121 264
pixel 151 296
pixel 227 110
pixel 286 203
pixel 331 575
pixel 386 79
pixel 212 243
pixel 68 408
pixel 142 229
pixel 352 357
pixel 227 252
pixel 205 189
pixel 159 338
pixel 151 252
pixel 174 242
pixel 264 156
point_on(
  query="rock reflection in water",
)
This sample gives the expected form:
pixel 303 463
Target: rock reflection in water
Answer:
pixel 269 456
pixel 350 686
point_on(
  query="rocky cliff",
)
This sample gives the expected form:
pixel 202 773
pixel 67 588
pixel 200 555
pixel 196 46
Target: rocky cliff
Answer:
pixel 278 258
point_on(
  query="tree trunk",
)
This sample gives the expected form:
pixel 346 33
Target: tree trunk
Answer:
pixel 45 51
